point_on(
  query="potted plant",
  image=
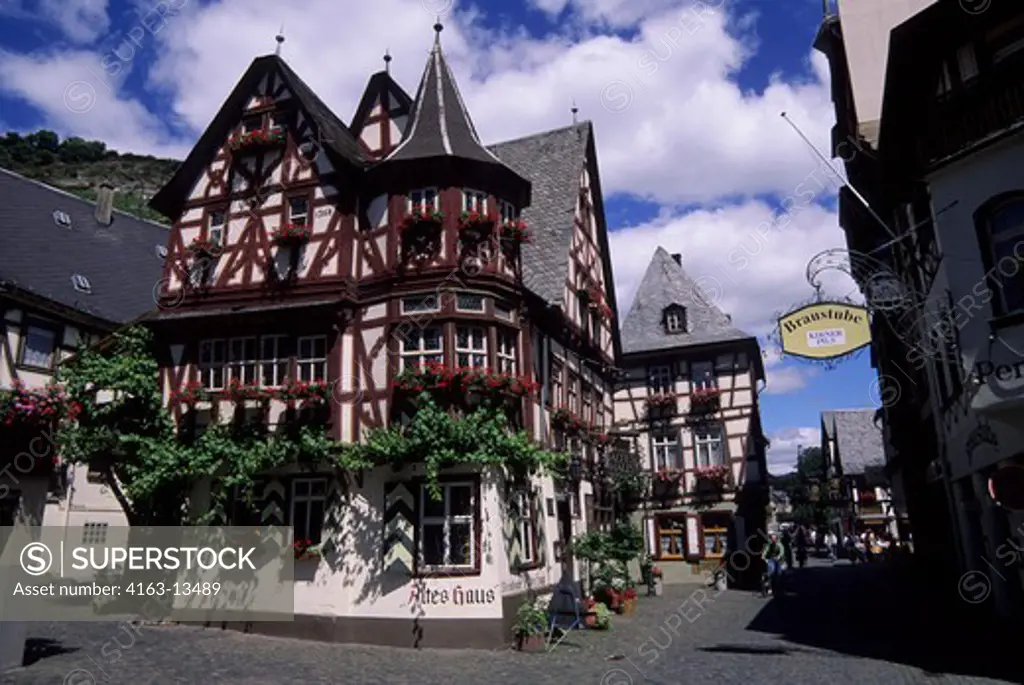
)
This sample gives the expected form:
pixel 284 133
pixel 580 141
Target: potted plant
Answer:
pixel 292 234
pixel 602 617
pixel 530 627
pixel 202 247
pixel 659 582
pixel 515 231
pixel 607 595
pixel 629 595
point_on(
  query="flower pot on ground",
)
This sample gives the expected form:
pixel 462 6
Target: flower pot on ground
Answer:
pixel 602 617
pixel 530 626
pixel 629 596
pixel 659 586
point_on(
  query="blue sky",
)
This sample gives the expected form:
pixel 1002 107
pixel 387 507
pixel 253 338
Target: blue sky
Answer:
pixel 696 160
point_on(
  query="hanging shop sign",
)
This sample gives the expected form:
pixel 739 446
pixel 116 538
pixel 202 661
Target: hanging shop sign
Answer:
pixel 825 330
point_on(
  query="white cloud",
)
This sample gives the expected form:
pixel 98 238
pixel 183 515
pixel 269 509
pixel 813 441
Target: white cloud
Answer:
pixel 687 134
pixel 82 21
pixel 789 379
pixel 782 455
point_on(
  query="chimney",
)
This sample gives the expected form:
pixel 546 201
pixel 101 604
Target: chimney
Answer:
pixel 678 257
pixel 105 204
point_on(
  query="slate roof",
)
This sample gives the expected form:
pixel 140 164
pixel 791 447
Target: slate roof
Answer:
pixel 667 283
pixel 552 161
pixel 40 257
pixel 440 125
pixel 859 442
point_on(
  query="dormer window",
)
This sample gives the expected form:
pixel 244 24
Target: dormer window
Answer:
pixel 298 211
pixel 215 227
pixel 62 219
pixel 675 319
pixel 474 201
pixel 81 283
pixel 422 198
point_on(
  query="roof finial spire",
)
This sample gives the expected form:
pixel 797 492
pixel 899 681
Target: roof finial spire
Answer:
pixel 280 39
pixel 387 60
pixel 438 27
pixel 574 110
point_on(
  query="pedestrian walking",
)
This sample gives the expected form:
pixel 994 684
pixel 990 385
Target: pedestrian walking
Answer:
pixel 787 548
pixel 831 543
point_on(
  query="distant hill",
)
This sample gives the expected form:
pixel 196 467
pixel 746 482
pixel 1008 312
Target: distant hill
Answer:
pixel 79 166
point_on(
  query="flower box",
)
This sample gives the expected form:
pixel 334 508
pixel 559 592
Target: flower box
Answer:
pixel 240 392
pixel 463 381
pixel 191 394
pixel 712 479
pixel 22 407
pixel 566 421
pixel 256 139
pixel 705 399
pixel 201 247
pixel 427 216
pixel 475 222
pixel 516 232
pixel 292 234
pixel 307 392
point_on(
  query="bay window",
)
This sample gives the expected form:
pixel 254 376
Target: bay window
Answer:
pixel 474 201
pixel 311 362
pixel 421 346
pixel 447 528
pixel 507 351
pixel 420 199
pixel 242 360
pixel 471 347
pixel 507 211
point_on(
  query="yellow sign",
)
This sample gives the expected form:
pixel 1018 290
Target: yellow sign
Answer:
pixel 825 330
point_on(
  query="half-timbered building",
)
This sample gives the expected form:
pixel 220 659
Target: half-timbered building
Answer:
pixel 70 272
pixel 304 249
pixel 689 403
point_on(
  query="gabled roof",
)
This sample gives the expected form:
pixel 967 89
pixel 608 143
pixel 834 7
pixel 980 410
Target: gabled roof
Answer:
pixel 335 136
pixel 39 257
pixel 666 283
pixel 859 441
pixel 553 162
pixel 381 82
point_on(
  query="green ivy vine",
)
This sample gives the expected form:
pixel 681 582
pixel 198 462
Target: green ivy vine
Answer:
pixel 442 438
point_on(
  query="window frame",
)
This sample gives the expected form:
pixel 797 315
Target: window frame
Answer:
pixel 473 519
pixel 526 525
pixel 661 532
pixel 205 370
pixel 507 211
pixel 557 374
pixel 217 233
pixel 662 442
pixel 675 320
pixel 983 228
pixel 473 199
pixel 54 330
pixel 721 533
pixel 314 360
pixel 507 361
pixel 243 364
pixel 308 499
pixel 291 212
pixel 660 379
pixel 420 354
pixel 405 311
pixel 470 351
pixel 460 308
pixel 700 439
pixel 708 381
pixel 279 363
pixel 413 204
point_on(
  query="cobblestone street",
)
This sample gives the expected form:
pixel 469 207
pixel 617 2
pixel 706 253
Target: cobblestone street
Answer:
pixel 843 625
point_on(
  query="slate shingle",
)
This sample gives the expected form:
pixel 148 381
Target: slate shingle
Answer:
pixel 666 283
pixel 859 441
pixel 38 256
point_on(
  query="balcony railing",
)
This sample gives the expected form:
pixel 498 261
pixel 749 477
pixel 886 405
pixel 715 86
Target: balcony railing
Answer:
pixel 990 107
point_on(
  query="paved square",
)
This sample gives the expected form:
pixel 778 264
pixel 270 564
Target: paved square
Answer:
pixel 843 625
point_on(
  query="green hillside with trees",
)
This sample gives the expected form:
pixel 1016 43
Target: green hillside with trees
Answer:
pixel 79 166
